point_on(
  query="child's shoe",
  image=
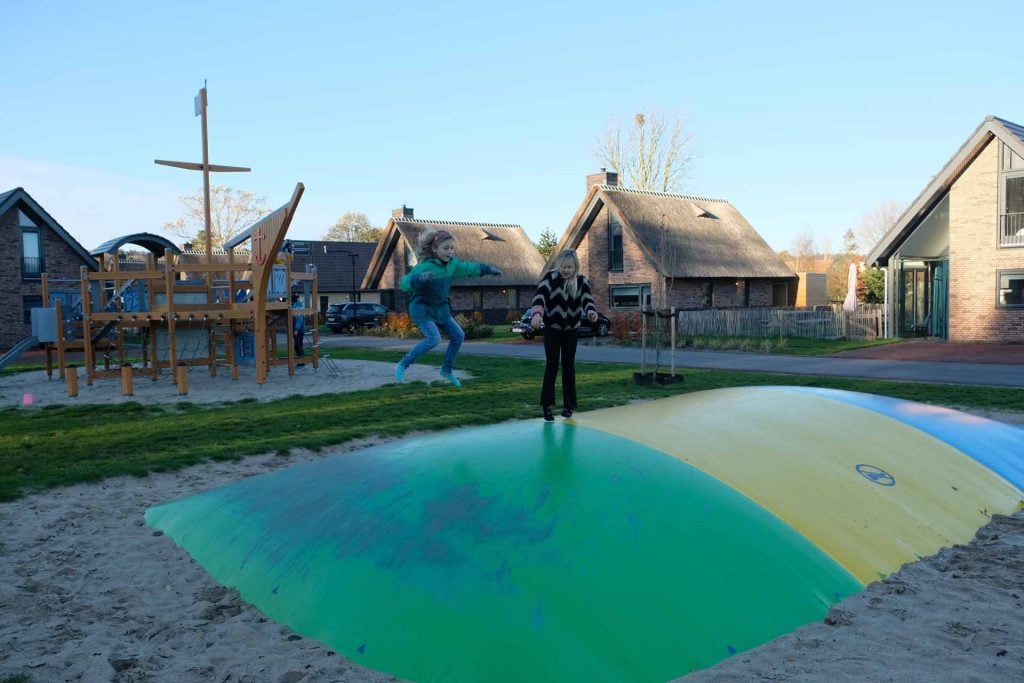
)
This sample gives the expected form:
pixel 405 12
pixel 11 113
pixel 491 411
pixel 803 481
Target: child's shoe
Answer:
pixel 548 415
pixel 447 374
pixel 566 412
pixel 399 373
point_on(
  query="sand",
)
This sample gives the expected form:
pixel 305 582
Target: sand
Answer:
pixel 89 593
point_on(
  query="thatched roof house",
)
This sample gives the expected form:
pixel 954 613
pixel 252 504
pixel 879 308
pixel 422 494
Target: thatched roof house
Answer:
pixel 502 245
pixel 672 250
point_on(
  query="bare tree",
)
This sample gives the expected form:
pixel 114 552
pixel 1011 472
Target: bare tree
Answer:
pixel 877 221
pixel 353 226
pixel 654 154
pixel 231 211
pixel 803 249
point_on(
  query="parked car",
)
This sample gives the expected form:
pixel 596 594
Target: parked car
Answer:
pixel 602 328
pixel 354 316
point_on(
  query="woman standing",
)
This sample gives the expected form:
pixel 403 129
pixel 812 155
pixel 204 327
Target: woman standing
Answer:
pixel 563 295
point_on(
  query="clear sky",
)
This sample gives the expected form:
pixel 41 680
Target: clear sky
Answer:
pixel 805 115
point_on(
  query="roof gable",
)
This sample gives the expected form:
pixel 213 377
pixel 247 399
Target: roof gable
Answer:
pixel 24 201
pixel 684 236
pixel 991 128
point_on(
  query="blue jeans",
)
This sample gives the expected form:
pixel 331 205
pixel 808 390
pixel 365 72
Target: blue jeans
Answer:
pixel 431 338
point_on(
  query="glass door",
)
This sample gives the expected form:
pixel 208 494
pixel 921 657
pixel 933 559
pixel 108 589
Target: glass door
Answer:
pixel 915 286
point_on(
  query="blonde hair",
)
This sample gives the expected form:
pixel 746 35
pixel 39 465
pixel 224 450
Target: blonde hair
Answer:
pixel 571 284
pixel 429 240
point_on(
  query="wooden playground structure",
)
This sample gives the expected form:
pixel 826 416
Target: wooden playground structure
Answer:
pixel 185 314
pixel 181 313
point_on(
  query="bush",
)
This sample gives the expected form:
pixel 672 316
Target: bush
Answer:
pixel 513 316
pixel 396 325
pixel 474 326
pixel 626 326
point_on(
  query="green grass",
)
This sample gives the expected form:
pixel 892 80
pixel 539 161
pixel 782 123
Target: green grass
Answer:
pixel 790 346
pixel 62 445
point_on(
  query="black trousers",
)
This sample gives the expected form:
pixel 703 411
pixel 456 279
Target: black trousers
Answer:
pixel 298 335
pixel 559 346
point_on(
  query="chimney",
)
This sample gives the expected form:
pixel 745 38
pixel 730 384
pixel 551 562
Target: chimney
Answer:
pixel 605 177
pixel 404 212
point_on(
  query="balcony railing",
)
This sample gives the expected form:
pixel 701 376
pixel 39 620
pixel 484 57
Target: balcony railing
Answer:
pixel 1011 230
pixel 31 267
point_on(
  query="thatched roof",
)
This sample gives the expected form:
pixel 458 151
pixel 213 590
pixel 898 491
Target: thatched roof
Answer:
pixel 683 236
pixel 502 245
pixel 992 127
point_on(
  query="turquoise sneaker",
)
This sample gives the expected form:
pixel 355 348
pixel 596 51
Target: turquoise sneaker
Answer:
pixel 399 373
pixel 447 374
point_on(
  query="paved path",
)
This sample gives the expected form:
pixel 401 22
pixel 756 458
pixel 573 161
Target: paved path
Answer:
pixel 985 374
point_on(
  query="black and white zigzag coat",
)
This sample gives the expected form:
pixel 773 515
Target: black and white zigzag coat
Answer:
pixel 559 311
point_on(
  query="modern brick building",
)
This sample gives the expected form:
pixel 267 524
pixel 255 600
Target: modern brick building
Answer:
pixel 36 244
pixel 657 249
pixel 954 260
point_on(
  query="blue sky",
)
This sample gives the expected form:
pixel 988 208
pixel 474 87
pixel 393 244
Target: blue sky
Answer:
pixel 805 115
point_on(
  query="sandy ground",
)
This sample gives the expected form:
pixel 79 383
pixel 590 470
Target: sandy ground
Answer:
pixel 89 593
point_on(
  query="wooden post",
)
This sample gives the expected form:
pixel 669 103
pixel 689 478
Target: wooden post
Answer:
pixel 673 338
pixel 181 373
pixel 643 340
pixel 172 346
pixel 72 378
pixel 126 381
pixel 90 354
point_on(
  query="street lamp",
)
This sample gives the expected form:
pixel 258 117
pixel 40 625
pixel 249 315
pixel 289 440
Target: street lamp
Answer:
pixel 352 255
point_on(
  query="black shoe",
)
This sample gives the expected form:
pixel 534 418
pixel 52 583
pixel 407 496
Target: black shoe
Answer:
pixel 548 415
pixel 566 412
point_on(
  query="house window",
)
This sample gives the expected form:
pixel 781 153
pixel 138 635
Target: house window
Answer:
pixel 630 297
pixel 1011 200
pixel 511 298
pixel 478 299
pixel 31 248
pixel 27 304
pixel 1011 289
pixel 614 246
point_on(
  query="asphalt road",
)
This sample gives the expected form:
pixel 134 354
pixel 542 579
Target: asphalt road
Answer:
pixel 979 374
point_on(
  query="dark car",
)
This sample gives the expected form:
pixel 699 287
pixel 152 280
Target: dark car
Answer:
pixel 602 328
pixel 353 316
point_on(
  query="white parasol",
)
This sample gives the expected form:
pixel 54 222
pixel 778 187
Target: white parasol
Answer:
pixel 850 302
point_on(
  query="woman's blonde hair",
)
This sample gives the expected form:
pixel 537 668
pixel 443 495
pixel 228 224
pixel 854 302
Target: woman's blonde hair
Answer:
pixel 429 240
pixel 571 284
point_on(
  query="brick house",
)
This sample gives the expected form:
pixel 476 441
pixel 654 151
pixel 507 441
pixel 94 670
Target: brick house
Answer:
pixel 954 260
pixel 651 248
pixel 37 244
pixel 504 246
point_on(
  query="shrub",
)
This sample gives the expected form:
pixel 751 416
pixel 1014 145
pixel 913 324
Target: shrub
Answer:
pixel 626 326
pixel 474 325
pixel 396 325
pixel 512 316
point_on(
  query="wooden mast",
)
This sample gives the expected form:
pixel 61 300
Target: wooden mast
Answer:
pixel 205 167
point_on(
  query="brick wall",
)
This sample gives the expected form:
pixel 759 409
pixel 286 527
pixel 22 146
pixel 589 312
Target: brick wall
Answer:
pixel 638 270
pixel 59 260
pixel 975 258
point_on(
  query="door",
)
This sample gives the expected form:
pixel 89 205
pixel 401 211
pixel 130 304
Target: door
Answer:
pixel 914 300
pixel 939 325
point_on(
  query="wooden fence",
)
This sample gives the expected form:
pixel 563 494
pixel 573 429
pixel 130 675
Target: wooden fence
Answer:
pixel 767 323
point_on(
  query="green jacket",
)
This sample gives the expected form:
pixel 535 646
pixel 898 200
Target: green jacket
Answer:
pixel 428 300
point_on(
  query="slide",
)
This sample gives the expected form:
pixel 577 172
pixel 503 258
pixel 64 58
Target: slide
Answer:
pixel 16 351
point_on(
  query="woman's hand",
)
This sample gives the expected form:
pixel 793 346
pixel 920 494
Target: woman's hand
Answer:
pixel 536 321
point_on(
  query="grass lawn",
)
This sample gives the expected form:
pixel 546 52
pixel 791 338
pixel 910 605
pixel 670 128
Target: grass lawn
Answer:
pixel 61 445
